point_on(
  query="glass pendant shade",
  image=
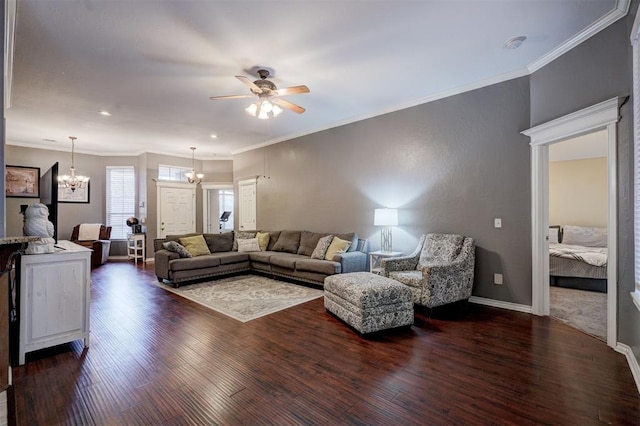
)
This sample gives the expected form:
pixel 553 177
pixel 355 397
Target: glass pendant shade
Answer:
pixel 72 180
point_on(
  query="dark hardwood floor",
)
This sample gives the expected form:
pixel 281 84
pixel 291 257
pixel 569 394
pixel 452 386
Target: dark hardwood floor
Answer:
pixel 156 358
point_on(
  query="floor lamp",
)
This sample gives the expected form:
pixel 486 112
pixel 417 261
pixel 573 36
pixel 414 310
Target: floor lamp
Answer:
pixel 385 218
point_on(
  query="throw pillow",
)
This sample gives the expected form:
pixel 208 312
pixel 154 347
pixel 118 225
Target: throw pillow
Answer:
pixel 219 242
pixel 288 241
pixel 321 248
pixel 195 245
pixel 337 246
pixel 176 247
pixel 263 240
pixel 273 239
pixel 248 245
pixel 308 242
pixel 241 235
pixel 351 236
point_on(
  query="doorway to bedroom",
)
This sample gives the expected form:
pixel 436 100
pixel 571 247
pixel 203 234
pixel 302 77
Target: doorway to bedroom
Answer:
pixel 578 209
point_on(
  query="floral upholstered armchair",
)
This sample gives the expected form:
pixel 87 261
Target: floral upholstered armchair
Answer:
pixel 438 272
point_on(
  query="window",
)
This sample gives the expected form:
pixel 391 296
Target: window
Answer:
pixel 121 200
pixel 173 173
pixel 225 201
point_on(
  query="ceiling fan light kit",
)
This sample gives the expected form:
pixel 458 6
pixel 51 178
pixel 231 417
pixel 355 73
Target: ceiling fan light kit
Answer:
pixel 269 103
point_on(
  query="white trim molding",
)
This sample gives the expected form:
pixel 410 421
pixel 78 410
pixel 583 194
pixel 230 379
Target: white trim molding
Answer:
pixel 500 304
pixel 635 296
pixel 10 9
pixel 619 11
pixel 632 361
pixel 604 115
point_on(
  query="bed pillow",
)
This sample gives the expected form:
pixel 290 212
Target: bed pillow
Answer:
pixel 554 234
pixel 176 247
pixel 584 236
pixel 195 245
pixel 248 245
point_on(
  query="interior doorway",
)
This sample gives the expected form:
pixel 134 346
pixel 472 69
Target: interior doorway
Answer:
pixel 602 116
pixel 217 198
pixel 578 232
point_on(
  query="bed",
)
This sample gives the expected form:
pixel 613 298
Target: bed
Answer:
pixel 578 257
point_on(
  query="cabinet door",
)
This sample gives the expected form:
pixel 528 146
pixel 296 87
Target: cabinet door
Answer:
pixel 56 299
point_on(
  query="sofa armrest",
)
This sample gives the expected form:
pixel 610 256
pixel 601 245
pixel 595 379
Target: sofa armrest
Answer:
pixel 353 261
pixel 157 244
pixel 162 259
pixel 404 263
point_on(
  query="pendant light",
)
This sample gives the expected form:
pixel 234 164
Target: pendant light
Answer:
pixel 73 181
pixel 192 176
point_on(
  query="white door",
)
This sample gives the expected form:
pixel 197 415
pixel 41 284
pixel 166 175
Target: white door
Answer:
pixel 247 204
pixel 176 210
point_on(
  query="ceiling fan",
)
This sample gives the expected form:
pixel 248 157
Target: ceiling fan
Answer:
pixel 269 101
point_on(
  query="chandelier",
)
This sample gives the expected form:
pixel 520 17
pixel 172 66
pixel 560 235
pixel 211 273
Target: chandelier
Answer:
pixel 263 109
pixel 73 181
pixel 192 176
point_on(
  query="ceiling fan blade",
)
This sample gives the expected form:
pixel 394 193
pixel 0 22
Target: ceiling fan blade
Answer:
pixel 214 98
pixel 292 90
pixel 249 84
pixel 288 105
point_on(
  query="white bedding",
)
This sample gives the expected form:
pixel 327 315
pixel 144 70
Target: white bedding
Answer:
pixel 596 256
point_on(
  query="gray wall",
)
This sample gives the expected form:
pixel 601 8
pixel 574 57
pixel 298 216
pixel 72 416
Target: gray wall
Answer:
pixel 597 70
pixel 452 165
pixel 69 215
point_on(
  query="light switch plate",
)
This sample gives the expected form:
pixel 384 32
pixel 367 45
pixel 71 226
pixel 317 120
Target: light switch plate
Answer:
pixel 497 279
pixel 497 222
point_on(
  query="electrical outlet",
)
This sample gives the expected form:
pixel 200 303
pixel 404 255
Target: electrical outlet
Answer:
pixel 497 223
pixel 497 279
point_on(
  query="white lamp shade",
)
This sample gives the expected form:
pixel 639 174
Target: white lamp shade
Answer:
pixel 385 217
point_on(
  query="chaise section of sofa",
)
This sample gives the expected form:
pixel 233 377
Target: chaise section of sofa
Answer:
pixel 287 255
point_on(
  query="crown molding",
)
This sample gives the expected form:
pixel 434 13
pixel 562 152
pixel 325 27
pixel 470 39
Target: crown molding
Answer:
pixel 619 11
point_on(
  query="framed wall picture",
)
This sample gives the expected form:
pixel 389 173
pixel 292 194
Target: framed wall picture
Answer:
pixel 80 195
pixel 21 181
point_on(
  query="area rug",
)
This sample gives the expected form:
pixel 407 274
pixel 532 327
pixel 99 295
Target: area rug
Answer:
pixel 246 298
pixel 584 310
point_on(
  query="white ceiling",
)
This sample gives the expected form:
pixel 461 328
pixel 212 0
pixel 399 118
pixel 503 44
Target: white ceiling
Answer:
pixel 153 64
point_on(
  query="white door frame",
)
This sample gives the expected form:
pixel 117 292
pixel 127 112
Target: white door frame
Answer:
pixel 603 116
pixel 169 184
pixel 206 188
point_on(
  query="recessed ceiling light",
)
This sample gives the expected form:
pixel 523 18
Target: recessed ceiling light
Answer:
pixel 515 42
pixel 105 113
pixel 213 136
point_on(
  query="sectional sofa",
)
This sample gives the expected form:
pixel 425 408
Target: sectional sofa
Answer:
pixel 284 254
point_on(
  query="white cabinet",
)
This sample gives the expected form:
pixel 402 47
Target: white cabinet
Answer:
pixel 136 247
pixel 54 298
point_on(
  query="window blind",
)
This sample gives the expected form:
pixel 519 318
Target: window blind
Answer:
pixel 121 200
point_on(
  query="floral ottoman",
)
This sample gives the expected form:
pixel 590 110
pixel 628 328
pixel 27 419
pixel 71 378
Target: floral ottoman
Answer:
pixel 368 302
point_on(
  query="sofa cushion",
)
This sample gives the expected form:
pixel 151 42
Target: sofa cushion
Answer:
pixel 232 257
pixel 177 237
pixel 199 262
pixel 261 256
pixel 246 245
pixel 273 239
pixel 439 248
pixel 309 241
pixel 176 247
pixel 219 242
pixel 337 246
pixel 352 237
pixel 288 241
pixel 321 248
pixel 286 260
pixel 263 240
pixel 241 235
pixel 321 266
pixel 195 245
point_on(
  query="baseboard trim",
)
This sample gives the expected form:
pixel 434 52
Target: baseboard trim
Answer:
pixel 500 304
pixel 631 360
